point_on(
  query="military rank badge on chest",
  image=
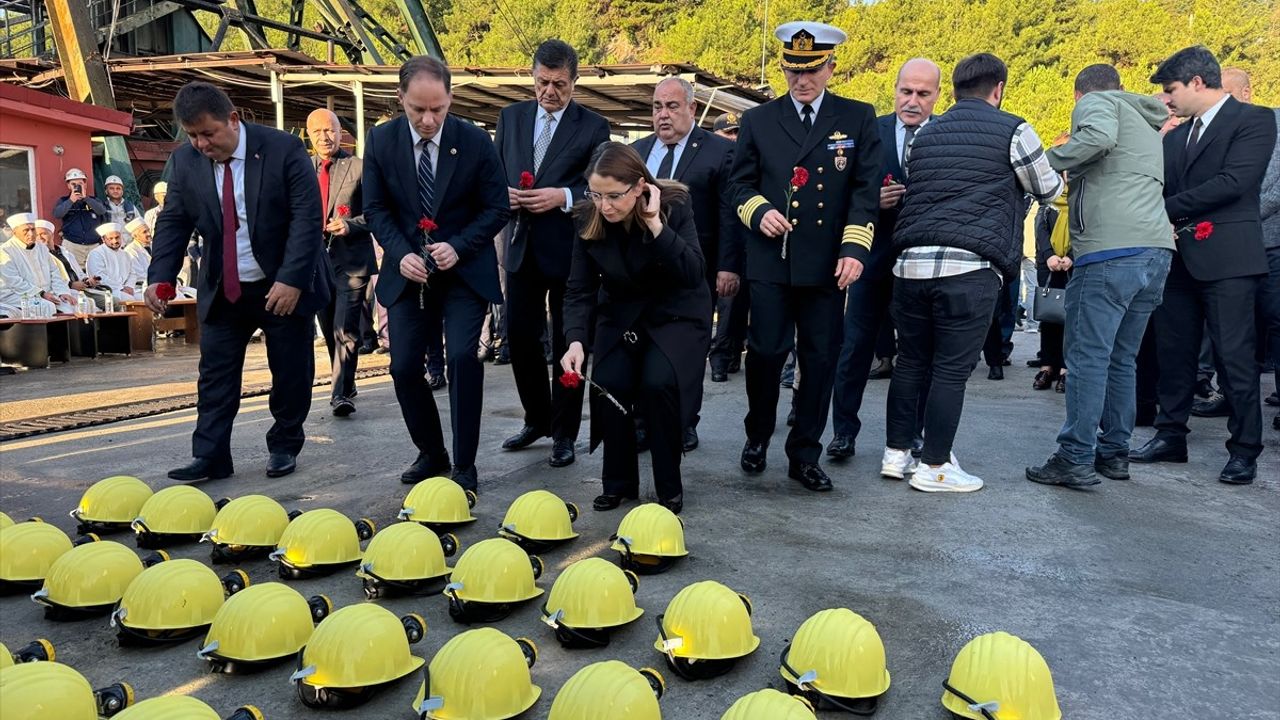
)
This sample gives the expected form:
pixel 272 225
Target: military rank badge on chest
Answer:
pixel 839 143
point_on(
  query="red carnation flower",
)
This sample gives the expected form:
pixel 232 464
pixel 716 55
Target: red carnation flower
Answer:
pixel 526 180
pixel 571 380
pixel 1204 230
pixel 888 180
pixel 799 177
pixel 344 210
pixel 166 291
pixel 427 225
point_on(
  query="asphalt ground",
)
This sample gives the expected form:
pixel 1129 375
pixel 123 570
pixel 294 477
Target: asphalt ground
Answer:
pixel 1153 598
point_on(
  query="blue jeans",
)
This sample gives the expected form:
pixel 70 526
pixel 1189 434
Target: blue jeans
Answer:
pixel 1107 305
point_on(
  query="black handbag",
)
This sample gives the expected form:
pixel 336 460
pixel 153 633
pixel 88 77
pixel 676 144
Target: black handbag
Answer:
pixel 1050 305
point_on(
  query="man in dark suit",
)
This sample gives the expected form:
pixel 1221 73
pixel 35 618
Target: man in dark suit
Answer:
pixel 430 166
pixel 251 192
pixel 866 313
pixel 808 240
pixel 1213 168
pixel 679 150
pixel 350 253
pixel 551 138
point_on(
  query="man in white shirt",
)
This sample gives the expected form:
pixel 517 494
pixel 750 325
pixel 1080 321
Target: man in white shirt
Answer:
pixel 158 193
pixel 111 265
pixel 139 251
pixel 28 272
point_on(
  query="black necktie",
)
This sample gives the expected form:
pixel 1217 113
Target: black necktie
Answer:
pixel 1195 135
pixel 806 117
pixel 668 160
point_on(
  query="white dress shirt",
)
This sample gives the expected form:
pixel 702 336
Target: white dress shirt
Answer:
pixel 817 103
pixel 900 132
pixel 540 119
pixel 1207 117
pixel 433 146
pixel 247 265
pixel 659 151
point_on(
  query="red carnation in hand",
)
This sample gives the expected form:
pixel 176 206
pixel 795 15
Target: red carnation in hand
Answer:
pixel 165 291
pixel 571 380
pixel 427 225
pixel 526 180
pixel 344 210
pixel 888 180
pixel 799 177
pixel 1204 230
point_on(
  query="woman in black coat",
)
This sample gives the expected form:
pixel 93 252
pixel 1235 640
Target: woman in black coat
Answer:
pixel 639 271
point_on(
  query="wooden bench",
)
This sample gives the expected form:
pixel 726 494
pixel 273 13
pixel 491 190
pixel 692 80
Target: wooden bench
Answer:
pixel 145 324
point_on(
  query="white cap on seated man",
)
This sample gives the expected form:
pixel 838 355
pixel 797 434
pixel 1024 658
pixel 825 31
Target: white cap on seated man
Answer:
pixel 111 265
pixel 28 273
pixel 139 251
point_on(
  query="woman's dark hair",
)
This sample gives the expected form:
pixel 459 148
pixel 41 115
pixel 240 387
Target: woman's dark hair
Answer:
pixel 622 163
pixel 197 99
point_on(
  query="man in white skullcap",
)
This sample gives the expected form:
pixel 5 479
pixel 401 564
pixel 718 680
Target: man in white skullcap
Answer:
pixel 111 265
pixel 28 272
pixel 158 193
pixel 139 251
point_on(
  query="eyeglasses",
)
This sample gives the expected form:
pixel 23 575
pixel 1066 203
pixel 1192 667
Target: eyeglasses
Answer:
pixel 612 198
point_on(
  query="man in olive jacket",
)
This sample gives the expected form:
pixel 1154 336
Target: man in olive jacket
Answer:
pixel 1123 245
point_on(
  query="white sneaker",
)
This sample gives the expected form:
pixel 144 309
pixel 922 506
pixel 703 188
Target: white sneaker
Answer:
pixel 948 478
pixel 897 464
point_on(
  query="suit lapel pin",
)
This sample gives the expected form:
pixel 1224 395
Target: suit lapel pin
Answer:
pixel 256 156
pixel 695 144
pixel 453 151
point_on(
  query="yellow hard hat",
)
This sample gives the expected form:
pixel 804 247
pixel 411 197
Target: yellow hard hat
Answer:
pixel 438 503
pixel 175 514
pixel 53 691
pixel 610 690
pixel 590 597
pixel 27 551
pixel 836 656
pixel 406 559
pixel 769 704
pixel 249 526
pixel 354 650
pixel 183 707
pixel 650 539
pixel 1000 676
pixel 261 625
pixel 489 578
pixel 480 674
pixel 705 630
pixel 5 521
pixel 319 542
pixel 111 504
pixel 172 601
pixel 538 521
pixel 87 580
pixel 34 651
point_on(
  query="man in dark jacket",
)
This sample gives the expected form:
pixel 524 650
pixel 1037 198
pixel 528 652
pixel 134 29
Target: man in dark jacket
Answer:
pixel 80 213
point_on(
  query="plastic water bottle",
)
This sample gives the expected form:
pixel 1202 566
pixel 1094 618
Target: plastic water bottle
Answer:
pixel 111 303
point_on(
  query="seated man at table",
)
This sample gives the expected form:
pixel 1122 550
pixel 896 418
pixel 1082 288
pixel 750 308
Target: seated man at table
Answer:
pixel 111 265
pixel 30 273
pixel 139 251
pixel 71 270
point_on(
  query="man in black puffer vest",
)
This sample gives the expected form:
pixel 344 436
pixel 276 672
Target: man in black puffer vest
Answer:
pixel 958 238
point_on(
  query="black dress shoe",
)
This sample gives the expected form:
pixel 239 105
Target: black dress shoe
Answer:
pixel 1115 467
pixel 735 363
pixel 562 454
pixel 1215 406
pixel 719 375
pixel 366 349
pixel 1239 470
pixel 690 439
pixel 674 504
pixel 1060 386
pixel 425 467
pixel 1158 449
pixel 642 440
pixel 883 371
pixel 1273 399
pixel 810 475
pixel 281 464
pixel 754 457
pixel 527 436
pixel 343 407
pixel 791 416
pixel 1057 471
pixel 841 447
pixel 437 382
pixel 610 502
pixel 1043 381
pixel 466 478
pixel 202 469
pixel 995 373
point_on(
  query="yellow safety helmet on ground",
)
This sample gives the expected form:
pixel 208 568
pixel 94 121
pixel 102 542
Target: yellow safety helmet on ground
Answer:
pixel 489 579
pixel 320 542
pixel 353 652
pixel 837 657
pixel 183 707
pixel 261 625
pixel 480 674
pixel 705 630
pixel 439 503
pixel 589 598
pixel 538 521
pixel 650 539
pixel 34 651
pixel 5 521
pixel 172 601
pixel 111 504
pixel 174 515
pixel 999 676
pixel 769 704
pixel 247 527
pixel 89 579
pixel 610 690
pixel 406 559
pixel 27 551
pixel 53 691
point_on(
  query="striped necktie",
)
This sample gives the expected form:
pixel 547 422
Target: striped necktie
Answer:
pixel 426 180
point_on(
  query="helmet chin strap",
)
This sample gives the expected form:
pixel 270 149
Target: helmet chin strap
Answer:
pixel 805 682
pixel 988 709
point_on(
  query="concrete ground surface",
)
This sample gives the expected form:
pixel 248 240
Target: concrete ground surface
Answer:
pixel 1153 598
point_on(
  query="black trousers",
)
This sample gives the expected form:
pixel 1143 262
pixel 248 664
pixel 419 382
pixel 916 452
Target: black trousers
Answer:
pixel 461 309
pixel 340 324
pixel 224 335
pixel 640 377
pixel 1148 375
pixel 1226 308
pixel 942 324
pixel 548 405
pixel 808 319
pixel 731 327
pixel 866 316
